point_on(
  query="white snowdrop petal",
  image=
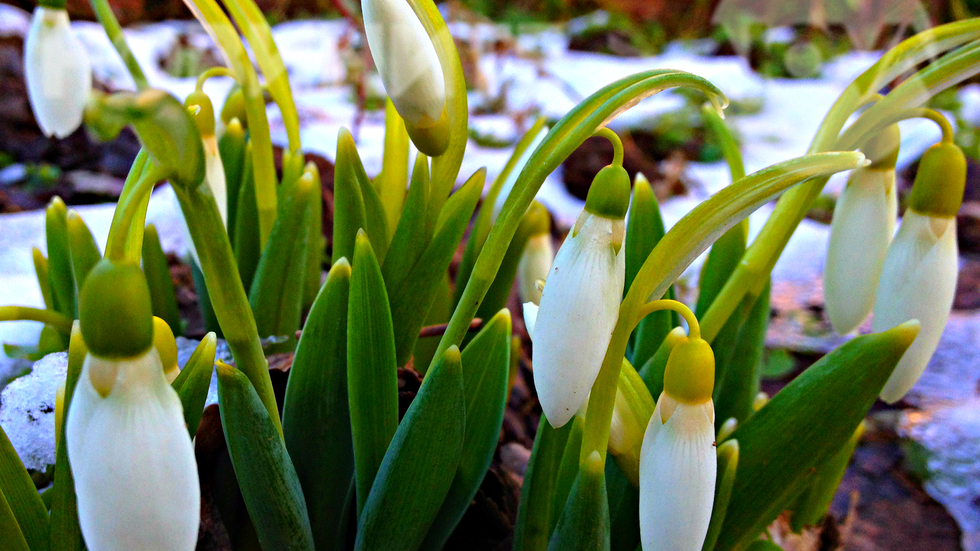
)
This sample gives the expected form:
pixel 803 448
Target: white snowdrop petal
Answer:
pixel 133 461
pixel 406 59
pixel 58 84
pixel 534 265
pixel 861 230
pixel 678 466
pixel 578 311
pixel 530 316
pixel 918 281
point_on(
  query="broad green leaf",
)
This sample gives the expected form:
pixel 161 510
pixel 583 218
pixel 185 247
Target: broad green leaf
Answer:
pixel 410 302
pixel 194 380
pixel 276 295
pixel 486 361
pixel 349 214
pixel 204 300
pixel 533 526
pixel 815 500
pixel 734 393
pixel 568 470
pixel 24 503
pixel 316 243
pixel 420 464
pixel 535 222
pixel 392 181
pixel 439 312
pixel 264 471
pixel 65 532
pixel 802 426
pixel 372 376
pixel 157 272
pixel 60 276
pixel 624 510
pixel 84 252
pixel 41 270
pixel 727 469
pixel 375 223
pixel 315 416
pixel 231 148
pixel 246 234
pixel 10 533
pixel 722 260
pixel 644 229
pixel 410 239
pixel 584 523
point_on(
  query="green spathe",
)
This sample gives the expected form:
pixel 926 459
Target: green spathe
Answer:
pixel 609 195
pixel 115 310
pixel 940 181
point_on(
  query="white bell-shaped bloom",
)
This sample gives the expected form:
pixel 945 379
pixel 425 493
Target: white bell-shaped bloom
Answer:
pixel 406 60
pixel 533 268
pixel 861 230
pixel 678 467
pixel 132 458
pixel 918 281
pixel 58 72
pixel 578 311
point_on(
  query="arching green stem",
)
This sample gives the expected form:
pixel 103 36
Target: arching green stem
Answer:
pixel 112 29
pixel 27 313
pixel 694 329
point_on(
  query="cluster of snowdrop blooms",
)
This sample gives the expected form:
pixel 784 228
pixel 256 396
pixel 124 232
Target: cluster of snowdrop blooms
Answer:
pixel 679 427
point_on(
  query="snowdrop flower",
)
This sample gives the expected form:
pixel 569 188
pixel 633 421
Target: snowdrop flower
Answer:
pixel 580 301
pixel 678 462
pixel 860 232
pixel 214 171
pixel 58 71
pixel 918 280
pixel 537 256
pixel 410 70
pixel 129 450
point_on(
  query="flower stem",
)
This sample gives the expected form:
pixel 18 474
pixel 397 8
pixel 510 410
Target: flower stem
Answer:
pixel 26 313
pixel 126 211
pixel 213 72
pixel 617 144
pixel 694 329
pixel 112 29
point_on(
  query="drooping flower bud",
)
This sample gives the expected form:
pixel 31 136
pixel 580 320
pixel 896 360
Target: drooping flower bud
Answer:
pixel 918 280
pixel 58 72
pixel 580 300
pixel 678 463
pixel 202 111
pixel 860 232
pixel 130 453
pixel 411 71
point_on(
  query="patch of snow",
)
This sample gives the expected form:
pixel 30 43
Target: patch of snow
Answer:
pixel 27 411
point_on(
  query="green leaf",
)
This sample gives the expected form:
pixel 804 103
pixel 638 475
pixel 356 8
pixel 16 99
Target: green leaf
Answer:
pixel 265 473
pixel 727 469
pixel 372 376
pixel 722 260
pixel 375 224
pixel 410 239
pixel 231 148
pixel 420 464
pixel 410 302
pixel 84 252
pixel 246 234
pixel 194 380
pixel 734 393
pixel 60 276
pixel 644 229
pixel 65 532
pixel 568 470
pixel 41 270
pixel 24 503
pixel 316 243
pixel 486 362
pixel 803 425
pixel 392 181
pixel 349 214
pixel 584 523
pixel 815 500
pixel 535 222
pixel 624 510
pixel 157 271
pixel 9 530
pixel 276 295
pixel 533 526
pixel 315 417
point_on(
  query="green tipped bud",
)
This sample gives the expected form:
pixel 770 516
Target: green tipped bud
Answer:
pixel 609 196
pixel 234 107
pixel 939 184
pixel 115 311
pixel 882 148
pixel 689 376
pixel 201 110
